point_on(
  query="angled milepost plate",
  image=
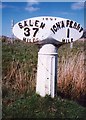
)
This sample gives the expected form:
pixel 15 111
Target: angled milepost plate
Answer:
pixel 39 28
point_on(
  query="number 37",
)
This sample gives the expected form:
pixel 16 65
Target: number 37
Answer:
pixel 27 31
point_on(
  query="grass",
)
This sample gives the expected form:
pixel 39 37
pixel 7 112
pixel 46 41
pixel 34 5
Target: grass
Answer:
pixel 71 71
pixel 35 106
pixel 18 51
pixel 19 64
pixel 66 51
pixel 19 67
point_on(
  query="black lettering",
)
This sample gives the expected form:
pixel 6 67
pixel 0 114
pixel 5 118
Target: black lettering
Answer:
pixel 71 39
pixel 63 40
pixel 55 28
pixel 36 30
pixel 29 40
pixel 52 30
pixel 33 40
pixel 25 23
pixel 20 25
pixel 71 22
pixel 81 29
pixel 67 23
pixel 36 23
pixel 78 27
pixel 24 39
pixel 68 32
pixel 58 25
pixel 26 31
pixel 75 25
pixel 68 41
pixel 51 19
pixel 63 24
pixel 42 25
pixel 46 18
pixel 30 23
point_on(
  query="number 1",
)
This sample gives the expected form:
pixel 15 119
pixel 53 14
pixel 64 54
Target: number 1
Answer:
pixel 68 32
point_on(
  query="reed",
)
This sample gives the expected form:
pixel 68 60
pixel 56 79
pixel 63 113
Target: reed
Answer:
pixel 19 68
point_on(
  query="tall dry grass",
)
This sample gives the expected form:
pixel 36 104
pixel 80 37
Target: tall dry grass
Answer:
pixel 20 77
pixel 72 77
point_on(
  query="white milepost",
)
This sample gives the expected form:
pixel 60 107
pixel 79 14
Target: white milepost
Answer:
pixel 46 72
pixel 50 33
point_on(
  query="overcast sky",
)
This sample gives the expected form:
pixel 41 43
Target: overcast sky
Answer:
pixel 23 10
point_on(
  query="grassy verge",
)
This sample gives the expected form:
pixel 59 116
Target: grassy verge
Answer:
pixel 19 65
pixel 35 106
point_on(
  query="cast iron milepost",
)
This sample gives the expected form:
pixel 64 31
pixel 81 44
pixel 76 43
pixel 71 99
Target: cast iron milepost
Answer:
pixel 50 33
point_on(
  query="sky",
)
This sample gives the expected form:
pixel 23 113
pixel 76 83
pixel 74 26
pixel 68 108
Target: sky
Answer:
pixel 19 11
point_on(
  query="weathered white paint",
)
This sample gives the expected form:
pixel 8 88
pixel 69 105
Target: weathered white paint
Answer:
pixel 39 28
pixel 71 45
pixel 46 72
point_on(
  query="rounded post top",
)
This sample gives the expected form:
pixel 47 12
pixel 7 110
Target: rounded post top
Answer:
pixel 48 49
